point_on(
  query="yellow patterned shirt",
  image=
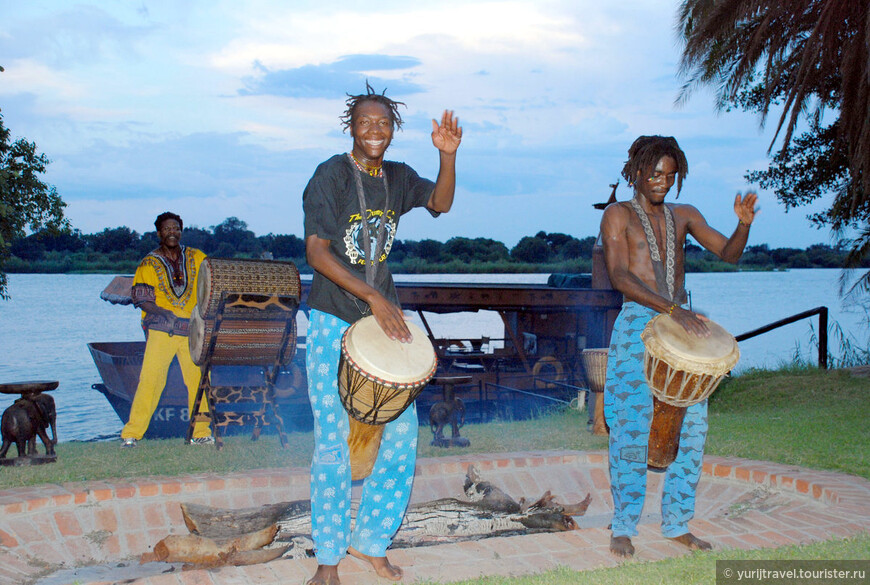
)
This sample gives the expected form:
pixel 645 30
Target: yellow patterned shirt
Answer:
pixel 170 287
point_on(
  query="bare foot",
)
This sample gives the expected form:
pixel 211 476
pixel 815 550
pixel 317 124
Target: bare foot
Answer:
pixel 325 575
pixel 621 546
pixel 693 542
pixel 381 565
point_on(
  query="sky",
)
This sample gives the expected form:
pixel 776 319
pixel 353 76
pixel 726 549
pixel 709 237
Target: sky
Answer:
pixel 215 108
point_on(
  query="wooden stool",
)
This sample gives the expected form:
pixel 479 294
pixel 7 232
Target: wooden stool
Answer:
pixel 27 418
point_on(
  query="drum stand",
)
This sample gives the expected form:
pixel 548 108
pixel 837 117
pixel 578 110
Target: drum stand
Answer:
pixel 259 403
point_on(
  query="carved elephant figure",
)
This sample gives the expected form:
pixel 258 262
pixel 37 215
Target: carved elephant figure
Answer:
pixel 443 413
pixel 45 404
pixel 28 418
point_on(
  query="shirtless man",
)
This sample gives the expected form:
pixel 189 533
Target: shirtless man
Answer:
pixel 644 241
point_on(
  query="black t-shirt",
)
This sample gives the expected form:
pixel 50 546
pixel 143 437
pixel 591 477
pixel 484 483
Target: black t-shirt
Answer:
pixel 332 212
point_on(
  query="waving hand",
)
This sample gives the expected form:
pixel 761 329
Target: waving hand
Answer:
pixel 447 135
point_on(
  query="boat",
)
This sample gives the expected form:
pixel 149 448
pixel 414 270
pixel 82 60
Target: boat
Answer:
pixel 534 365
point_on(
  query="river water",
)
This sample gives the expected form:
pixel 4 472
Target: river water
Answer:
pixel 50 318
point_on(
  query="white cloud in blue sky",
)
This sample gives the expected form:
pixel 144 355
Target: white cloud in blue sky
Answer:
pixel 331 79
pixel 218 108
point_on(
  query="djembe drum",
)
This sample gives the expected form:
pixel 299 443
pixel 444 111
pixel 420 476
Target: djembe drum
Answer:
pixel 595 366
pixel 681 370
pixel 378 378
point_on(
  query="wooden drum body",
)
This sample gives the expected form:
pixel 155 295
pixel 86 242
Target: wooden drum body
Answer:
pixel 245 312
pixel 238 342
pixel 595 366
pixel 378 378
pixel 246 284
pixel 681 370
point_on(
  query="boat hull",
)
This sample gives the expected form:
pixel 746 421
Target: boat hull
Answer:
pixel 503 397
pixel 119 364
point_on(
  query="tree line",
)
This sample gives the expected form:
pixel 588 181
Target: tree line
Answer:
pixel 120 249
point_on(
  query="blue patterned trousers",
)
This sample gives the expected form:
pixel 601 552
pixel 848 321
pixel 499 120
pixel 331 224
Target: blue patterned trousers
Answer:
pixel 385 492
pixel 628 409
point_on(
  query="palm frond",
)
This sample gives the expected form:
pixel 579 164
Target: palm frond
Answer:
pixel 822 45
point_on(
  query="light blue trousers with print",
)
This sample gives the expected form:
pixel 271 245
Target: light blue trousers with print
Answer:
pixel 628 409
pixel 385 492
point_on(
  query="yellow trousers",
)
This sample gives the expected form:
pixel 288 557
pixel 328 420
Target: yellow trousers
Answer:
pixel 160 349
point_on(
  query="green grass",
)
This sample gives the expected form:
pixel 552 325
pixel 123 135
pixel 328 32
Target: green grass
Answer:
pixel 169 457
pixel 798 416
pixel 106 460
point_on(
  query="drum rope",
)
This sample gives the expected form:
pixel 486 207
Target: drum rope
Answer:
pixel 381 395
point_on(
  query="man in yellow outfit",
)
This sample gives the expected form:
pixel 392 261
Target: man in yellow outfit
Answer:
pixel 164 287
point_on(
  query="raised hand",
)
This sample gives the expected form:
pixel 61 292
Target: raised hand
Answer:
pixel 447 135
pixel 745 208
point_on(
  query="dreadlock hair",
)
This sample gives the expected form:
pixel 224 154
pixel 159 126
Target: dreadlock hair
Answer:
pixel 371 96
pixel 167 215
pixel 646 151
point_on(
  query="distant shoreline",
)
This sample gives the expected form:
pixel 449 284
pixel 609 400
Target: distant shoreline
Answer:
pixel 119 251
pixel 580 266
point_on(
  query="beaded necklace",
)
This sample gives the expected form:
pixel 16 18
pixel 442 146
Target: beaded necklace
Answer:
pixel 372 171
pixel 665 272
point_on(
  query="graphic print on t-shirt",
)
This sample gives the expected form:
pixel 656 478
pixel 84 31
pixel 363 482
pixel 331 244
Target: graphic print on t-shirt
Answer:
pixel 353 235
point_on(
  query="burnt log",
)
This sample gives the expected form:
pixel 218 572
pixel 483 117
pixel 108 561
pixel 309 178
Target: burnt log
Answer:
pixel 489 511
pixel 219 524
pixel 201 550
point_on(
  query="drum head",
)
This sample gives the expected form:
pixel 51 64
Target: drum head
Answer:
pixel 378 356
pixel 720 348
pixel 196 338
pixel 203 287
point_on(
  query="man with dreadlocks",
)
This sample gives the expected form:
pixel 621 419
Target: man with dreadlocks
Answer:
pixel 352 207
pixel 644 241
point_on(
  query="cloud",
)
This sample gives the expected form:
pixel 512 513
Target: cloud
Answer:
pixel 192 165
pixel 70 38
pixel 150 106
pixel 205 177
pixel 331 80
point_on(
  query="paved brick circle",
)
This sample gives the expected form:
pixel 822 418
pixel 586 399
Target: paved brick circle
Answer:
pixel 741 504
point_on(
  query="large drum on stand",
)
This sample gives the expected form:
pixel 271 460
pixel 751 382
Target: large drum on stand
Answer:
pixel 378 378
pixel 253 341
pixel 681 370
pixel 259 299
pixel 245 316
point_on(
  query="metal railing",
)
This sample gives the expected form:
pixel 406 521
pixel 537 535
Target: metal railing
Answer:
pixel 493 385
pixel 822 312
